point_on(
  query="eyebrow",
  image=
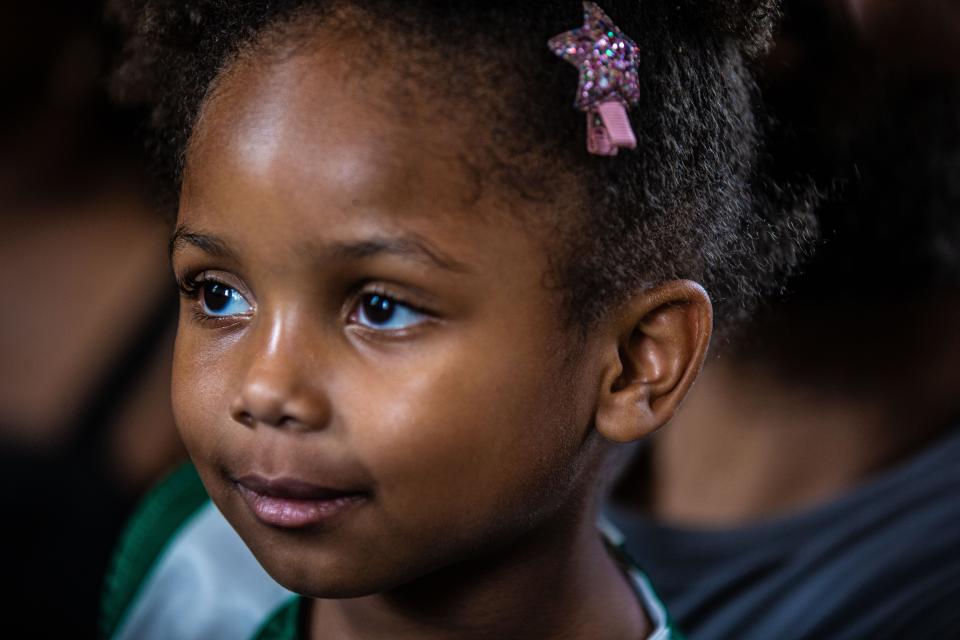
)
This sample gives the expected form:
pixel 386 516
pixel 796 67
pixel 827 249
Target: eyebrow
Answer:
pixel 183 237
pixel 410 246
pixel 406 246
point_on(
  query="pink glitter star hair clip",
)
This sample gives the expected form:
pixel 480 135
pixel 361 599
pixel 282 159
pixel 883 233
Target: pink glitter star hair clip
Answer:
pixel 609 84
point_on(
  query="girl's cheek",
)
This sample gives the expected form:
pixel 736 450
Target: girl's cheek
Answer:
pixel 443 426
pixel 198 393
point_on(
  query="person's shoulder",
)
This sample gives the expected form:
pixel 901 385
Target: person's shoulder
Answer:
pixel 882 560
pixel 157 519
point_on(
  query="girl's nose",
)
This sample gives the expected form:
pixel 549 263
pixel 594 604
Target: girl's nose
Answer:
pixel 280 387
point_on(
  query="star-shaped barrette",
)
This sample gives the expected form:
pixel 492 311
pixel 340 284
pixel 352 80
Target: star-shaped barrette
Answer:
pixel 609 82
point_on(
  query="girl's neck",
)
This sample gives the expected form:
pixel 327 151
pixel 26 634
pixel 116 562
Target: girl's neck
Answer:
pixel 558 582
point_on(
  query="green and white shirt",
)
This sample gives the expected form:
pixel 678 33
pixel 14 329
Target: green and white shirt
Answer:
pixel 181 572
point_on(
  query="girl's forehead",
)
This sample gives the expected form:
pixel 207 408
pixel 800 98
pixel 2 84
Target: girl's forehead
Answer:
pixel 281 158
pixel 298 128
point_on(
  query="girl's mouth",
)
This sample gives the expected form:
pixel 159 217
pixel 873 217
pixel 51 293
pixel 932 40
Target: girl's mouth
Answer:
pixel 288 503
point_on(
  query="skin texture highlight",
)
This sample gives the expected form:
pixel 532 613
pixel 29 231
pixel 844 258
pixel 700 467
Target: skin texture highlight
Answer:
pixel 475 435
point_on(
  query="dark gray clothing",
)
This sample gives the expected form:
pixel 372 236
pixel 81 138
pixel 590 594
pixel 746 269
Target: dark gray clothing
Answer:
pixel 882 561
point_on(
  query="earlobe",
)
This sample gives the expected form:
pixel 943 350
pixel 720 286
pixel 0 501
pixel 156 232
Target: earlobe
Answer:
pixel 655 348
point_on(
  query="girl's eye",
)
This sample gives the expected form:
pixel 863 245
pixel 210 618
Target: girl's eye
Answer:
pixel 378 311
pixel 220 300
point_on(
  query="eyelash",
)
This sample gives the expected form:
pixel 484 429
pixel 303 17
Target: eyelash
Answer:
pixel 191 284
pixel 362 291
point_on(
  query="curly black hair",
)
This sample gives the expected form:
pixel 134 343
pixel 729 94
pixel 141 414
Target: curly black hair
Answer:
pixel 693 201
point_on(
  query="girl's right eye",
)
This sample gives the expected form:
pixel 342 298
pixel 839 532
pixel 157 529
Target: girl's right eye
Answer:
pixel 384 313
pixel 220 300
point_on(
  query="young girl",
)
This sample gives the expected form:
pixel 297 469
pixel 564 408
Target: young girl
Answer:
pixel 418 313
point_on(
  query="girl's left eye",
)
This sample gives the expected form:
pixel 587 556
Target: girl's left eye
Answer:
pixel 220 300
pixel 378 311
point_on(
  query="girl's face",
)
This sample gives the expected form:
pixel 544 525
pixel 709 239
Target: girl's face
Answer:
pixel 371 377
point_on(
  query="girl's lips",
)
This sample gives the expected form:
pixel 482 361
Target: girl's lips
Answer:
pixel 292 503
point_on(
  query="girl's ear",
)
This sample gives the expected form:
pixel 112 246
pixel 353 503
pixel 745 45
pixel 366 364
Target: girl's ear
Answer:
pixel 653 350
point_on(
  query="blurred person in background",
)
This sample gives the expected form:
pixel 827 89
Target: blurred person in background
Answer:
pixel 809 487
pixel 89 316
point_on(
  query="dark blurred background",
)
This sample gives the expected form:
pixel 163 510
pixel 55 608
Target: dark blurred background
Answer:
pixel 88 315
